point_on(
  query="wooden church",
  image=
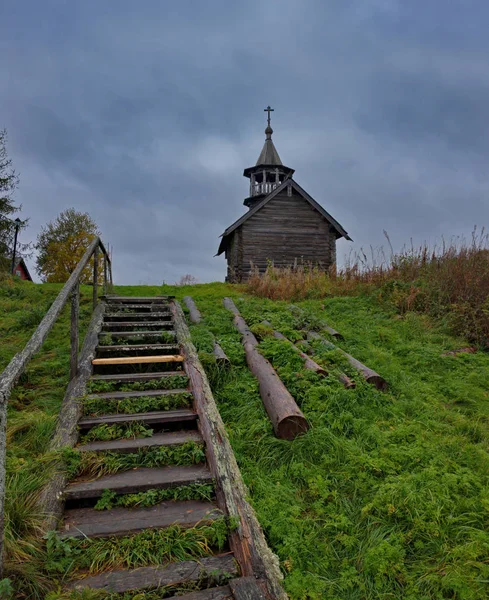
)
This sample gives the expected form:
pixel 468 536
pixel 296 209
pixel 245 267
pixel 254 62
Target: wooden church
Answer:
pixel 283 225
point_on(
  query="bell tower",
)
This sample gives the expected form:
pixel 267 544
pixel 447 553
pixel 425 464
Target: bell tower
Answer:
pixel 269 172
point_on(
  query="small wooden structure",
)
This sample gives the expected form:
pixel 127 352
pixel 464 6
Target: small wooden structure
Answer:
pixel 284 224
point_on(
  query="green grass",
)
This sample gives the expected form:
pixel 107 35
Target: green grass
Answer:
pixel 387 494
pixel 32 410
pixel 385 497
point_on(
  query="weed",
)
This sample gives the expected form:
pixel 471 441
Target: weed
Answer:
pixel 193 491
pixel 106 432
pixel 97 464
pixel 165 383
pixel 149 547
pixel 140 404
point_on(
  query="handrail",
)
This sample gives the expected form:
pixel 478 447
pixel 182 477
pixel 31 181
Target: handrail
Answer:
pixel 18 364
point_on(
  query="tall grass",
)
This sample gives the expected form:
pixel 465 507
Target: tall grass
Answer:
pixel 450 281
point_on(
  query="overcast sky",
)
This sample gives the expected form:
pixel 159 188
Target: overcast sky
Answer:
pixel 145 114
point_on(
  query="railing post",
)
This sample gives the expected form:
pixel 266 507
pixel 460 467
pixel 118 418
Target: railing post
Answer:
pixel 95 277
pixel 75 310
pixel 105 275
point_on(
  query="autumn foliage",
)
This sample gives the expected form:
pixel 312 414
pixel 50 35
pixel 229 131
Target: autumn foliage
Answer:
pixel 62 243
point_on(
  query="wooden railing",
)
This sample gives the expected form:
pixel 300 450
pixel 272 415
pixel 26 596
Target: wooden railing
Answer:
pixel 18 364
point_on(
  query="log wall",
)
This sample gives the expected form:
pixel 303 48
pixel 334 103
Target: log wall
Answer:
pixel 287 230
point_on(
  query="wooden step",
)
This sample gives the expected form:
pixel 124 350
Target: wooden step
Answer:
pixel 138 480
pixel 121 325
pixel 148 418
pixel 169 348
pixel 147 393
pixel 137 333
pixel 152 577
pixel 138 299
pixel 142 306
pixel 135 315
pixel 136 360
pixel 88 522
pixel 171 438
pixel 217 593
pixel 246 588
pixel 133 377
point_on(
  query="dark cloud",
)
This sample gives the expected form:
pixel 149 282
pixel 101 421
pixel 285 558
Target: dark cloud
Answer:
pixel 146 114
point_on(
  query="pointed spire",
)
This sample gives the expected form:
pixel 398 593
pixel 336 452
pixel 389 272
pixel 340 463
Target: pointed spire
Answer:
pixel 269 154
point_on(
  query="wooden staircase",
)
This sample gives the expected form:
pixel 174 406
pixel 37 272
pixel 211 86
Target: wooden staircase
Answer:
pixel 127 365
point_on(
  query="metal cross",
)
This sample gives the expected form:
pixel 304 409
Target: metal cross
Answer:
pixel 268 110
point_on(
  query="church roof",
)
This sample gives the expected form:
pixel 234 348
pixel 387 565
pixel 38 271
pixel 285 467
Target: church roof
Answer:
pixel 269 154
pixel 339 229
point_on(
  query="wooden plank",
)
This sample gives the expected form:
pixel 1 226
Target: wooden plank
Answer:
pixel 135 360
pixel 139 348
pixel 148 418
pixel 218 593
pixel 138 480
pixel 156 307
pixel 142 315
pixel 133 377
pixel 246 588
pixel 88 522
pixel 138 394
pixel 153 577
pixel 168 438
pixel 125 324
pixel 112 298
pixel 248 541
pixel 135 333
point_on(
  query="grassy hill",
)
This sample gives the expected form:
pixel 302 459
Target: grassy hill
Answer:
pixel 386 496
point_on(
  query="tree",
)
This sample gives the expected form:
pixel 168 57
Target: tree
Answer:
pixel 62 243
pixel 9 180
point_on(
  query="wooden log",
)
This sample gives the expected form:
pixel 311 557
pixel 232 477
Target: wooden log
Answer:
pixel 196 317
pixel 248 542
pixel 286 417
pixel 174 573
pixel 66 433
pixel 194 312
pixel 135 360
pixel 246 588
pixel 368 374
pixel 221 357
pixel 332 332
pixel 309 364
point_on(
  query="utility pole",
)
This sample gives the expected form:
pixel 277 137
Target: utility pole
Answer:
pixel 17 226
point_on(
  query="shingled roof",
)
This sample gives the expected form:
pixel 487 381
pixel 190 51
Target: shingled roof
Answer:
pixel 269 154
pixel 339 229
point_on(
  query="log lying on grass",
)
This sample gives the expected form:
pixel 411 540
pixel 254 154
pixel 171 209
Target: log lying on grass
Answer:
pixel 286 417
pixel 309 364
pixel 313 365
pixel 196 317
pixel 332 332
pixel 369 375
